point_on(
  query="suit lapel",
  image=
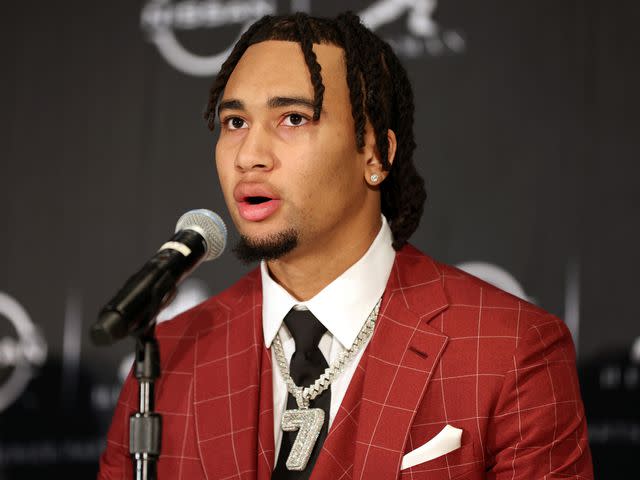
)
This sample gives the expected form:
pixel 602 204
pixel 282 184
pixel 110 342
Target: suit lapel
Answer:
pixel 227 379
pixel 233 392
pixel 266 450
pixel 393 375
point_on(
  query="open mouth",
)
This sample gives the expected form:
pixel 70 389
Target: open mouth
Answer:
pixel 257 200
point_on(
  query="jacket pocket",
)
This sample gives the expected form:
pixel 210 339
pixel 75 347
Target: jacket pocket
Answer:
pixel 455 465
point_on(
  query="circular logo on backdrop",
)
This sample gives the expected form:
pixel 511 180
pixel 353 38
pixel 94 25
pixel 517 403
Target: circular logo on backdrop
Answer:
pixel 167 22
pixel 22 349
pixel 496 276
pixel 161 19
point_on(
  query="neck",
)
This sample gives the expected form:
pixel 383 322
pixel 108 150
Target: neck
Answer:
pixel 305 273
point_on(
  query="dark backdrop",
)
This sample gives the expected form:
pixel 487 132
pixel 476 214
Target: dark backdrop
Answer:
pixel 527 124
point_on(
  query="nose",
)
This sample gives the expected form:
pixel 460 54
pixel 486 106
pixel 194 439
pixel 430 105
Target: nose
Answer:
pixel 255 151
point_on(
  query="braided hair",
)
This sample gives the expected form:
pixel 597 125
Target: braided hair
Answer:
pixel 379 90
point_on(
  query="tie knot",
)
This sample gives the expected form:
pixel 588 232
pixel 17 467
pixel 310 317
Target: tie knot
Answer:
pixel 305 329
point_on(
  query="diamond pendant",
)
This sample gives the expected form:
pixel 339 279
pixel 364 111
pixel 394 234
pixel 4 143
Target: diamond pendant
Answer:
pixel 308 422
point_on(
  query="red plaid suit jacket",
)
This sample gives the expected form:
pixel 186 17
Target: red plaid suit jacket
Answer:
pixel 447 349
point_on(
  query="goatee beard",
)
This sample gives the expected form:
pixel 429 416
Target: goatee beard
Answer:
pixel 270 248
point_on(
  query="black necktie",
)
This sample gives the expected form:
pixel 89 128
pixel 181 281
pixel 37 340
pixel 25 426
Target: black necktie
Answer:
pixel 307 364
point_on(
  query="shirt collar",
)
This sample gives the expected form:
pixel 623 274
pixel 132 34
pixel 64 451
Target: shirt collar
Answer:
pixel 342 306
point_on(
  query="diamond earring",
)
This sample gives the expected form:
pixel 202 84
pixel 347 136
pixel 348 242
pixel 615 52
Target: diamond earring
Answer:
pixel 374 178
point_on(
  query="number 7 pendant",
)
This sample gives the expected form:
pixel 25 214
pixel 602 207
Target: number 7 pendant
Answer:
pixel 308 422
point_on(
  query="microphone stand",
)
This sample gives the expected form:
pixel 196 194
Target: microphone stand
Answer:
pixel 145 425
pixel 200 236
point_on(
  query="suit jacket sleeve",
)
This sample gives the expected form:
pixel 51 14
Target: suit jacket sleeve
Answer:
pixel 115 461
pixel 539 427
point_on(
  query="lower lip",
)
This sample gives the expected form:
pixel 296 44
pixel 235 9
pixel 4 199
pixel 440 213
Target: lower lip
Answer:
pixel 258 212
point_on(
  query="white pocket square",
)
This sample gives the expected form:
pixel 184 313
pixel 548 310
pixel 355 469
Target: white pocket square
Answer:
pixel 444 442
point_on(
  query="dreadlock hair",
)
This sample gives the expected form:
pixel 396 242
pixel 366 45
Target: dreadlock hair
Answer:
pixel 379 90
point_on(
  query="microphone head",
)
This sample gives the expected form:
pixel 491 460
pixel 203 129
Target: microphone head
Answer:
pixel 210 226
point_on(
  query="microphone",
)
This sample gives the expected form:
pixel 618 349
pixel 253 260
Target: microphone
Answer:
pixel 200 236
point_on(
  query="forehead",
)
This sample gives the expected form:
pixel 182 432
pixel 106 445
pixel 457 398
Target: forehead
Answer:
pixel 275 67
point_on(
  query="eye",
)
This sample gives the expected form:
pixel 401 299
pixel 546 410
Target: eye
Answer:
pixel 234 123
pixel 294 120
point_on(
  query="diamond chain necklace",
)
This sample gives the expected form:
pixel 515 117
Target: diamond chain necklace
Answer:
pixel 309 421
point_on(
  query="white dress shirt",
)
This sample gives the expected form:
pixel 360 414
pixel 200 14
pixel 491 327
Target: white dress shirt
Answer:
pixel 342 307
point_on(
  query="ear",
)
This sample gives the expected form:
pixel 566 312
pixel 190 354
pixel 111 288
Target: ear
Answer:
pixel 374 172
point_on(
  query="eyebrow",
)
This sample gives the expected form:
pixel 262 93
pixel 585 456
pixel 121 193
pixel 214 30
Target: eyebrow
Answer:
pixel 230 105
pixel 272 102
pixel 277 102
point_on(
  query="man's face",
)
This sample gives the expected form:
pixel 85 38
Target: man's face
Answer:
pixel 280 171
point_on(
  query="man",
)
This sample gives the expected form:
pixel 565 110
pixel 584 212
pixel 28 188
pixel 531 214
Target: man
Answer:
pixel 430 373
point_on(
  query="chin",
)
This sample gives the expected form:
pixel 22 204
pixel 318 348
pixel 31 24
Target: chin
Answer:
pixel 252 248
